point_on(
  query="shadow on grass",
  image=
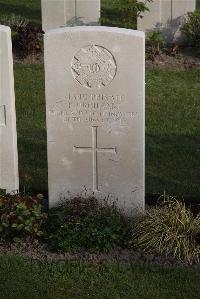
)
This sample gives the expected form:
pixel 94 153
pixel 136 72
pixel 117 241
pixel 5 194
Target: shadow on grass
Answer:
pixel 172 165
pixel 33 162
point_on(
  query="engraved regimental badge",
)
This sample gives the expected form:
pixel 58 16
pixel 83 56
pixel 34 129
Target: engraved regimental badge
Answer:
pixel 93 66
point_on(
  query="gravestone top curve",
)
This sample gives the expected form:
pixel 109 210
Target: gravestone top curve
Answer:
pixel 96 29
pixel 5 28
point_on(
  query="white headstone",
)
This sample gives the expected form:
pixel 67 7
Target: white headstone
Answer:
pixel 166 16
pixel 59 13
pixel 9 178
pixel 95 113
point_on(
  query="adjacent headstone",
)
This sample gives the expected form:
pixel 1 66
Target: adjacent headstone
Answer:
pixel 9 178
pixel 166 16
pixel 59 13
pixel 95 113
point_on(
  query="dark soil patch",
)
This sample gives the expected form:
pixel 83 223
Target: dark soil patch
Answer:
pixel 38 251
pixel 184 58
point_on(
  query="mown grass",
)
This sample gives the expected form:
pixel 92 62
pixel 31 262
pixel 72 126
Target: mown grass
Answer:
pixel 21 278
pixel 31 127
pixel 172 130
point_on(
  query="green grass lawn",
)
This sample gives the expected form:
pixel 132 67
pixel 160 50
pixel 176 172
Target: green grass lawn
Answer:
pixel 31 127
pixel 172 130
pixel 25 279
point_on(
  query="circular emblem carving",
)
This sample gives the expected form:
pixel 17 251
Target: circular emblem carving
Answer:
pixel 93 66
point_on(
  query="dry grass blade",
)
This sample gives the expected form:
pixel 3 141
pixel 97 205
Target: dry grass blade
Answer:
pixel 169 229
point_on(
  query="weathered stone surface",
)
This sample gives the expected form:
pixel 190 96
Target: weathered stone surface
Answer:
pixel 54 13
pixel 59 13
pixel 167 16
pixel 95 113
pixel 9 178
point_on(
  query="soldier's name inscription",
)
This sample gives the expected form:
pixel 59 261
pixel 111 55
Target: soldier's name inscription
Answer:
pixel 98 108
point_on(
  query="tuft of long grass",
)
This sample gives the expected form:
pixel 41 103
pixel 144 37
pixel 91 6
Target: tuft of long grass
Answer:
pixel 169 229
pixel 13 21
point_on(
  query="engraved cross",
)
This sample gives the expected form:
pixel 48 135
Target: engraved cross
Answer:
pixel 95 150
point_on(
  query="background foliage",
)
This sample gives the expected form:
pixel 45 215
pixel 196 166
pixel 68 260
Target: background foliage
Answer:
pixel 20 216
pixel 191 28
pixel 122 13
